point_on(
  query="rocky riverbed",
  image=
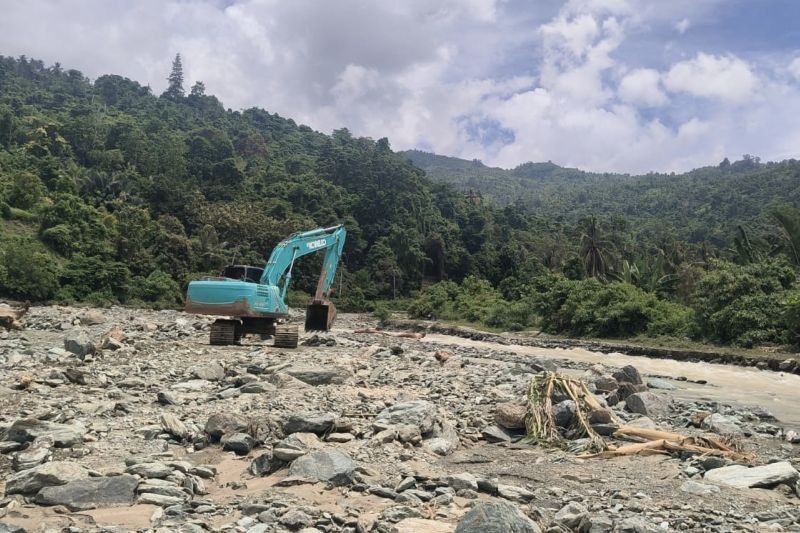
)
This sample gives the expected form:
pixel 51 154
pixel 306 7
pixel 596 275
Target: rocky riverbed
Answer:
pixel 121 419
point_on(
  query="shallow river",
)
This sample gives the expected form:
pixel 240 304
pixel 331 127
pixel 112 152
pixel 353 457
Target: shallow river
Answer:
pixel 777 392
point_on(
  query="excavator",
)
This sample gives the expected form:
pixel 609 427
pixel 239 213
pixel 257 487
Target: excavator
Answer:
pixel 253 299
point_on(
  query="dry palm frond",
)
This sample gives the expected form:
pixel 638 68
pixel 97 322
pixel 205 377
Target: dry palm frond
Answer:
pixel 540 426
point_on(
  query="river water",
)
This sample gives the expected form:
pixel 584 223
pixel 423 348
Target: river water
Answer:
pixel 778 392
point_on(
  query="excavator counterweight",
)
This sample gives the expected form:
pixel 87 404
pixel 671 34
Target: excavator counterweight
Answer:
pixel 252 300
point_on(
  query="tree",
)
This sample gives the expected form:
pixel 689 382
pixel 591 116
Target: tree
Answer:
pixel 198 89
pixel 595 250
pixel 175 88
pixel 789 219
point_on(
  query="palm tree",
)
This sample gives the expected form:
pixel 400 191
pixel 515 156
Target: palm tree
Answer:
pixel 596 251
pixel 789 219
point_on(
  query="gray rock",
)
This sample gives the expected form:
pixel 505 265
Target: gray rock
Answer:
pixel 219 424
pixel 239 443
pixel 79 343
pixel 643 422
pixel 328 465
pixel 90 493
pixel 319 375
pixel 721 424
pixel 628 374
pixel 636 524
pixel 11 528
pixel 265 464
pixel 165 397
pixel 296 445
pixel 647 403
pixel 174 426
pixel 515 494
pixel 152 469
pixel 462 481
pixel 257 387
pixel 310 422
pixel 36 454
pixel 495 433
pixel 564 413
pixel 605 383
pixel 158 499
pixel 34 479
pixel 420 413
pixel 660 384
pixel 162 488
pixel 209 372
pixel 28 429
pixel 444 439
pixel 496 517
pixel 759 476
pixel 295 519
pixel 600 524
pixel 698 489
pixel 571 515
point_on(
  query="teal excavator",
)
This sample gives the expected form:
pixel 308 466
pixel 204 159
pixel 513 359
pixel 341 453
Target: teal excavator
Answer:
pixel 253 299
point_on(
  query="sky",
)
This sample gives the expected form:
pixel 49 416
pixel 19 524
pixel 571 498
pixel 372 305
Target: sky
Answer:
pixel 603 85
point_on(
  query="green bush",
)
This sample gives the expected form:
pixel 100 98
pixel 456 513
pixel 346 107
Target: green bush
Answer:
pixel 25 190
pixel 105 281
pixel 28 271
pixel 791 316
pixel 474 300
pixel 591 308
pixel 157 289
pixel 743 304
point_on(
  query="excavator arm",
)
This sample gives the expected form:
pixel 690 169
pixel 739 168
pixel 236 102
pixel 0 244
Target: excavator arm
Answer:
pixel 278 271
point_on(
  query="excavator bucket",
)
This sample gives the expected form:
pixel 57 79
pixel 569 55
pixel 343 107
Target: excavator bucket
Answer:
pixel 320 315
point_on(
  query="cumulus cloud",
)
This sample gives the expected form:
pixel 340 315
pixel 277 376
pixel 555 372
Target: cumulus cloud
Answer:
pixel 489 79
pixel 682 25
pixel 725 77
pixel 642 87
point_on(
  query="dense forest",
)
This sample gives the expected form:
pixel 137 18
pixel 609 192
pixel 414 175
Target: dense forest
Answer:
pixel 111 194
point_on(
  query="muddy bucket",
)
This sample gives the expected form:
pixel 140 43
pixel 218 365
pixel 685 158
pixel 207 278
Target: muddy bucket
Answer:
pixel 320 315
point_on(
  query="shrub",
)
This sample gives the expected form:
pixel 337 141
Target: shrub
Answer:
pixel 591 308
pixel 105 281
pixel 158 289
pixel 743 304
pixel 28 271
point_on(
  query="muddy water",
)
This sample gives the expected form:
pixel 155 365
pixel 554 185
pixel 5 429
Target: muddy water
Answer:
pixel 777 392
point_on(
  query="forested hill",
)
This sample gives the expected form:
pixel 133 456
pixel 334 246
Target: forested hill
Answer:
pixel 111 193
pixel 706 204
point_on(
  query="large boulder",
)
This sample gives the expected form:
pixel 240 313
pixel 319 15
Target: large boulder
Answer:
pixel 628 374
pixel 564 413
pixel 496 517
pixel 759 476
pixel 28 429
pixel 721 424
pixel 511 415
pixel 296 445
pixel 647 404
pixel 90 493
pixel 420 413
pixel 79 343
pixel 319 375
pixel 571 516
pixel 209 372
pixel 34 479
pixel 310 422
pixel 220 424
pixel 329 465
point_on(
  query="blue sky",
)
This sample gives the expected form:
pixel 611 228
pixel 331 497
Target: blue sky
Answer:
pixel 605 85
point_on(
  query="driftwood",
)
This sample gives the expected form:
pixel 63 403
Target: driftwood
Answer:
pixel 10 316
pixel 404 334
pixel 665 442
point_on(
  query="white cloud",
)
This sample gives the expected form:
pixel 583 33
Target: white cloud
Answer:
pixel 794 68
pixel 472 78
pixel 725 77
pixel 642 87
